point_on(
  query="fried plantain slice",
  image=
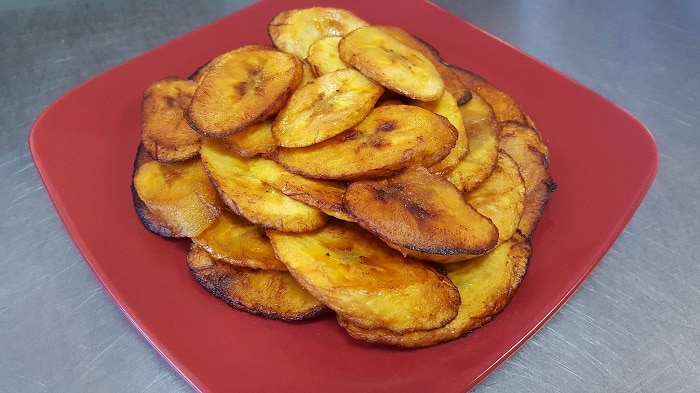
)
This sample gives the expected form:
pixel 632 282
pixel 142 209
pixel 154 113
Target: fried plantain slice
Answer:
pixel 326 195
pixel 532 164
pixel 235 240
pixel 165 133
pixel 295 30
pixel 324 57
pixel 505 106
pixel 178 199
pixel 452 82
pixel 148 219
pixel 446 106
pixel 242 87
pixel 325 107
pixel 421 215
pixel 252 140
pixel 360 278
pixel 526 132
pixel 272 294
pixel 501 197
pixel 486 285
pixel 390 138
pixel 482 133
pixel 248 196
pixel 391 63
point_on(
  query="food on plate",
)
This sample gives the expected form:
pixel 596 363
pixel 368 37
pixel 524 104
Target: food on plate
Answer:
pixel 391 63
pixel 422 215
pixel 389 139
pixel 269 293
pixel 362 279
pixel 345 169
pixel 166 135
pixel 241 87
pixel 325 107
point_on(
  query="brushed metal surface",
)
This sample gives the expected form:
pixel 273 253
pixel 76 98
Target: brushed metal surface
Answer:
pixel 632 327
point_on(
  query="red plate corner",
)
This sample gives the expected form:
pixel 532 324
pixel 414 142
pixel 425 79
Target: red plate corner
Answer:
pixel 84 144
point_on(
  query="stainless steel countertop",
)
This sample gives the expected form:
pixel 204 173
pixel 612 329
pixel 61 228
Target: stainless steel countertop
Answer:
pixel 632 327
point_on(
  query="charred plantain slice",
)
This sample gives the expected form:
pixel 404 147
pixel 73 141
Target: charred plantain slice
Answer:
pixel 390 138
pixel 242 87
pixel 421 215
pixel 505 107
pixel 176 199
pixel 272 294
pixel 295 30
pixel 452 82
pixel 324 57
pixel 446 106
pixel 248 196
pixel 482 133
pixel 325 107
pixel 252 140
pixel 165 133
pixel 360 278
pixel 486 285
pixel 532 164
pixel 391 63
pixel 501 197
pixel 326 195
pixel 234 240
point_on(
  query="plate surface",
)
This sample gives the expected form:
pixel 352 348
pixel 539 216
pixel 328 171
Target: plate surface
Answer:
pixel 84 144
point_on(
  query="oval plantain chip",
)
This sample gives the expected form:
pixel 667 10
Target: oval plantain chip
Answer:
pixel 482 132
pixel 505 106
pixel 532 164
pixel 501 197
pixel 325 107
pixel 248 196
pixel 242 87
pixel 391 63
pixel 269 293
pixel 293 31
pixel 389 139
pixel 486 285
pixel 178 199
pixel 165 133
pixel 234 240
pixel 421 215
pixel 324 57
pixel 360 278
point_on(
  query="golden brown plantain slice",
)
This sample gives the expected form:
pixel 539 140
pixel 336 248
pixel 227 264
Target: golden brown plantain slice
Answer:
pixel 391 138
pixel 326 195
pixel 248 196
pixel 452 82
pixel 501 197
pixel 528 133
pixel 272 294
pixel 505 107
pixel 421 215
pixel 324 57
pixel 391 63
pixel 486 285
pixel 532 164
pixel 242 87
pixel 325 107
pixel 360 278
pixel 148 219
pixel 295 30
pixel 446 106
pixel 234 240
pixel 178 199
pixel 164 130
pixel 482 133
pixel 253 140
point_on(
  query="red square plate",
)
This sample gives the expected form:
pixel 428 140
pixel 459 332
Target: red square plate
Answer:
pixel 84 145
